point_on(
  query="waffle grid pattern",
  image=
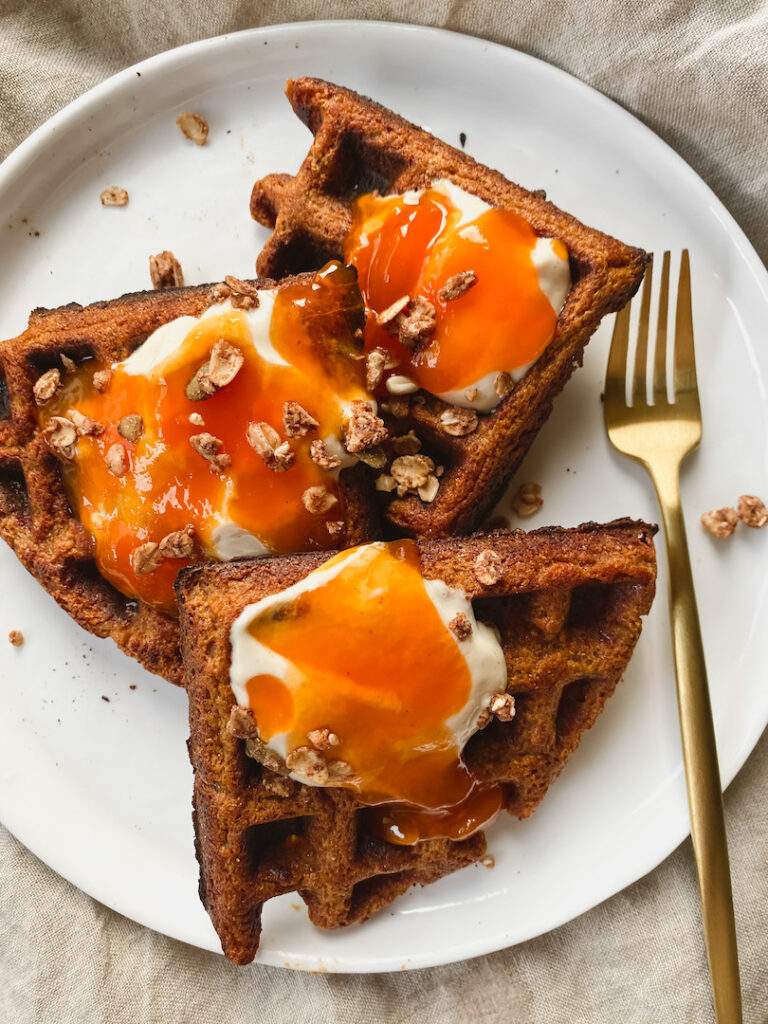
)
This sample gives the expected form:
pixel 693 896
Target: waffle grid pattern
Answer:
pixel 566 647
pixel 36 519
pixel 358 147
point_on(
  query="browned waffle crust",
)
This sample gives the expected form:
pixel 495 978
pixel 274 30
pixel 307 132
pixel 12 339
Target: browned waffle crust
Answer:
pixel 568 605
pixel 360 146
pixel 35 516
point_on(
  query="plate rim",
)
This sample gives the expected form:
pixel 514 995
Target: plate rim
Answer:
pixel 59 121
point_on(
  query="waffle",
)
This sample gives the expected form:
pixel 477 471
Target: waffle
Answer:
pixel 567 605
pixel 36 519
pixel 360 146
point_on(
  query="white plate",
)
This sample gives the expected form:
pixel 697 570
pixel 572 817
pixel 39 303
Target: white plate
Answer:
pixel 101 790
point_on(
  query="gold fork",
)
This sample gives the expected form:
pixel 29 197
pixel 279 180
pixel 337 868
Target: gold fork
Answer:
pixel 659 436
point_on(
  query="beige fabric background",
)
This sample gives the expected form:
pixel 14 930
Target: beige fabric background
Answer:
pixel 698 75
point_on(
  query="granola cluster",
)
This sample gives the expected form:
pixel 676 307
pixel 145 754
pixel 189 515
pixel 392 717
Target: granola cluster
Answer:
pixel 220 369
pixel 151 555
pixel 165 271
pixel 309 760
pixel 501 706
pixel 750 511
pixel 193 127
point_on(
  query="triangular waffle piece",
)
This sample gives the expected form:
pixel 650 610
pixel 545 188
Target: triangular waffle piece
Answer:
pixel 568 606
pixel 360 146
pixel 36 519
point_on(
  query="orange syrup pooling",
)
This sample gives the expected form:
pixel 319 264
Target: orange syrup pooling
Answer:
pixel 168 485
pixel 504 321
pixel 369 658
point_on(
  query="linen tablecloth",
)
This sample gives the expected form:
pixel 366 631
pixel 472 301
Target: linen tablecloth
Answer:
pixel 698 75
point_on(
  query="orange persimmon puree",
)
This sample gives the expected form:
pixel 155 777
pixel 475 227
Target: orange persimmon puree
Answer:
pixel 357 676
pixel 134 482
pixel 490 287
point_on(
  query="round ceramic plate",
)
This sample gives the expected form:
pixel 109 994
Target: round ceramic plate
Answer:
pixel 93 764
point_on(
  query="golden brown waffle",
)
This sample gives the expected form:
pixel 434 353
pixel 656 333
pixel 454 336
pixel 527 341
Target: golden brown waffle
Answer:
pixel 360 146
pixel 36 519
pixel 568 606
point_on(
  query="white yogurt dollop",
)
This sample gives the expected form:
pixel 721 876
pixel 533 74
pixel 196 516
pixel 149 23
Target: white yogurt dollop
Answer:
pixel 481 649
pixel 554 280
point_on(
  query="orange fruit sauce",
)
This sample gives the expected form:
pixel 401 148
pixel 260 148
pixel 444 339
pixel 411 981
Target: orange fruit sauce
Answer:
pixel 168 484
pixel 504 321
pixel 369 658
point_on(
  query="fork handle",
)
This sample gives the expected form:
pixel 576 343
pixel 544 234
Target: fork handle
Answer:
pixel 705 797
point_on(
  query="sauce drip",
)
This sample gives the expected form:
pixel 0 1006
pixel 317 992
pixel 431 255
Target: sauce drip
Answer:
pixel 503 322
pixel 168 485
pixel 355 665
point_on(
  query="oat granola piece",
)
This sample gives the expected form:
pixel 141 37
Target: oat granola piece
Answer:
pixel 388 315
pixel 46 386
pixel 406 444
pixel 297 421
pixel 339 771
pixel 179 544
pixel 242 294
pixel 460 626
pixel 410 472
pixel 502 706
pixel 484 718
pixel 335 528
pixel 242 723
pixel 363 428
pixel 114 196
pixel 61 437
pixel 318 500
pixel 721 522
pixel 385 482
pixel 397 406
pixel 210 448
pixel 374 457
pixel 224 364
pixel 16 637
pixel 428 492
pixel 200 387
pixel 323 739
pixel 69 364
pixel 165 271
pixel 398 384
pixel 309 763
pixel 416 323
pixel 471 394
pixel 196 419
pixel 527 500
pixel 375 365
pixel 116 459
pixel 457 285
pixel 102 379
pixel 84 425
pixel 488 567
pixel 458 422
pixel 488 861
pixel 131 427
pixel 265 440
pixel 193 127
pixel 752 511
pixel 503 384
pixel 322 457
pixel 147 558
pixel 255 748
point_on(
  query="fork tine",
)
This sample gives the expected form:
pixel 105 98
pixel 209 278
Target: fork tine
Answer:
pixel 639 386
pixel 616 371
pixel 660 355
pixel 685 361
